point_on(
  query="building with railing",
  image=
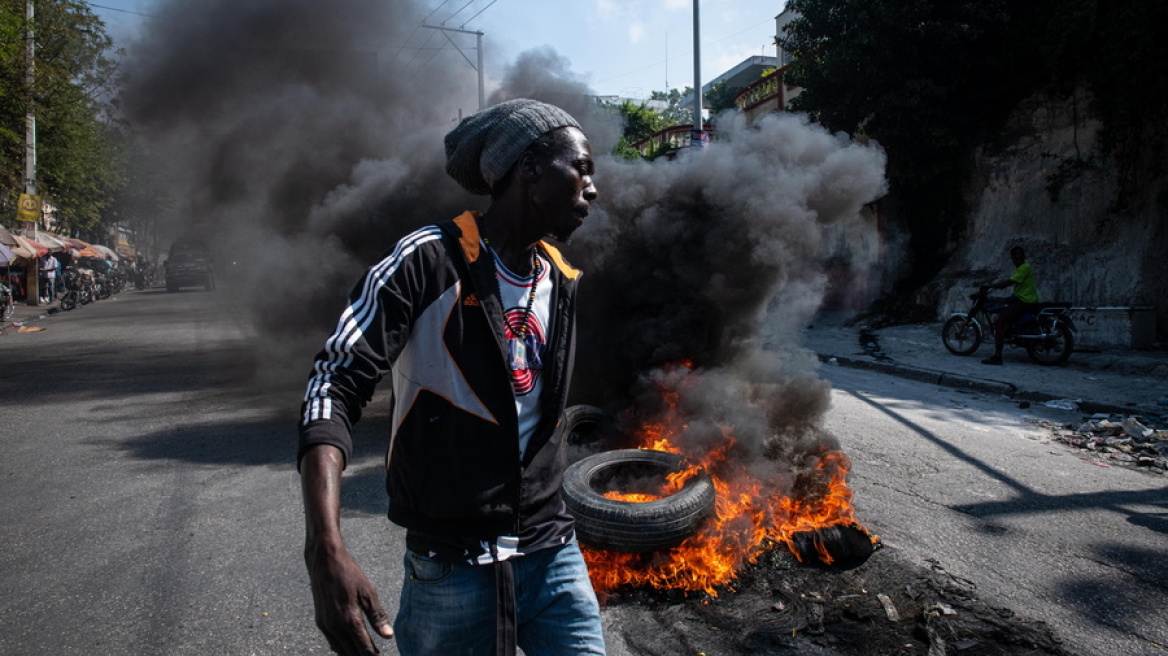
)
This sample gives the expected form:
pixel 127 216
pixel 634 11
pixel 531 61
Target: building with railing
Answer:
pixel 667 142
pixel 770 93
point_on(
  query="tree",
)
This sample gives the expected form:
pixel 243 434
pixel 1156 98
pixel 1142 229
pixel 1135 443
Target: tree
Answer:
pixel 927 79
pixel 675 114
pixel 77 167
pixel 933 79
pixel 720 97
pixel 640 123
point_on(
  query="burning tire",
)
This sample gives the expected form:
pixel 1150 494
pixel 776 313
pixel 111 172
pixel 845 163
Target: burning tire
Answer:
pixel 582 431
pixel 627 526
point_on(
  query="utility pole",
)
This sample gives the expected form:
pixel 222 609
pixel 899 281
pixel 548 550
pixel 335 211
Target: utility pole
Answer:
pixel 30 116
pixel 31 273
pixel 479 47
pixel 697 137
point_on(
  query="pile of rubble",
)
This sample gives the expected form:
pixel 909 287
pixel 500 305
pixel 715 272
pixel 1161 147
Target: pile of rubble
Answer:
pixel 1134 441
pixel 888 605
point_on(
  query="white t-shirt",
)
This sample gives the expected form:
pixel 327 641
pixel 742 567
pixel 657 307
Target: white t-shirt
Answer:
pixel 526 356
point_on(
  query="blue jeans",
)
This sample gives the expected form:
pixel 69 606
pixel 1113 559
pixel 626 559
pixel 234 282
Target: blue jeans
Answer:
pixel 449 609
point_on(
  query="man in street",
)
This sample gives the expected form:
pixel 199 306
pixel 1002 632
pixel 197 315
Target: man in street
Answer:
pixel 473 319
pixel 1024 300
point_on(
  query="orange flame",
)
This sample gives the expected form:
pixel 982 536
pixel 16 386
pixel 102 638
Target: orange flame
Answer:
pixel 750 518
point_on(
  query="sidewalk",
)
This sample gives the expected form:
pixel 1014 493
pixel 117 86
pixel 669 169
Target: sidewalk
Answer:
pixel 1114 381
pixel 39 316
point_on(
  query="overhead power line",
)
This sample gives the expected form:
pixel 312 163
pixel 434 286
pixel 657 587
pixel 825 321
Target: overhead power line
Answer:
pixel 124 11
pixel 479 13
pixel 685 54
pixel 451 16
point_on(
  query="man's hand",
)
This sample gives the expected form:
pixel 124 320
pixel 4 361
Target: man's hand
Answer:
pixel 344 598
pixel 342 594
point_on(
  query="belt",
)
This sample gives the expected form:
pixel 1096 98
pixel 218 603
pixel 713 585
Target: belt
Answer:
pixel 505 620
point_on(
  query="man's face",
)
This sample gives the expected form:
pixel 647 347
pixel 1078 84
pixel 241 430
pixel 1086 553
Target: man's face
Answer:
pixel 1017 257
pixel 564 189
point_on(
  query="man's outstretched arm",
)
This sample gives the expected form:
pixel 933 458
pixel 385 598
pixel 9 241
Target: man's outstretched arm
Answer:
pixel 341 593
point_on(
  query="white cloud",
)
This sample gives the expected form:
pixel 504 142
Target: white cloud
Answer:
pixel 608 9
pixel 636 31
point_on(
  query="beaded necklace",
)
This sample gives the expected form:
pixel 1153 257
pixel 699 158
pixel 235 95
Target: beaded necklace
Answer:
pixel 522 329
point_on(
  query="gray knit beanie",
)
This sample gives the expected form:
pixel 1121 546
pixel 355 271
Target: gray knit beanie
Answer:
pixel 486 144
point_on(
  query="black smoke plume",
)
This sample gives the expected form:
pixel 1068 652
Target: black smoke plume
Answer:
pixel 703 270
pixel 303 138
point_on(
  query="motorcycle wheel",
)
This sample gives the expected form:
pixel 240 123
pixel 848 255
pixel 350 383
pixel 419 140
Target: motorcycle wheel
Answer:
pixel 85 298
pixel 69 301
pixel 1055 349
pixel 961 335
pixel 6 310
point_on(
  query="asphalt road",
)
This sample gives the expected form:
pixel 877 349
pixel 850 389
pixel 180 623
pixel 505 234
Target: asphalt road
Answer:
pixel 152 507
pixel 151 501
pixel 972 483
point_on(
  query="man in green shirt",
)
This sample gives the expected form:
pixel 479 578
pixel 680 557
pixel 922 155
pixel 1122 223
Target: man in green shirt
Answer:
pixel 1024 301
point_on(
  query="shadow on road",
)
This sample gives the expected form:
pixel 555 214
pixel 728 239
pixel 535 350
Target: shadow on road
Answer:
pixel 1109 600
pixel 266 442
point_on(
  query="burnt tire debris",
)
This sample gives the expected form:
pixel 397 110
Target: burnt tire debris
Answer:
pixel 887 606
pixel 583 431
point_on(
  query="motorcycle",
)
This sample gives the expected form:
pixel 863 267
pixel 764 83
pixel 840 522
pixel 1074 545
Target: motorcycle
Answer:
pixel 104 288
pixel 71 284
pixel 78 288
pixel 117 279
pixel 143 277
pixel 1047 334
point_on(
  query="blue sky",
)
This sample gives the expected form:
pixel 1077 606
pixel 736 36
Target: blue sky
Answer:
pixel 620 47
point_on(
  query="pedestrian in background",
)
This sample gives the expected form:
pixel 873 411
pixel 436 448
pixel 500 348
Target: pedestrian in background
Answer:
pixel 473 319
pixel 48 278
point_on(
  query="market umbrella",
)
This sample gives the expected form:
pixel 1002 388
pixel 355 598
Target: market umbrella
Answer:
pixel 6 254
pixel 106 252
pixel 54 244
pixel 7 238
pixel 29 249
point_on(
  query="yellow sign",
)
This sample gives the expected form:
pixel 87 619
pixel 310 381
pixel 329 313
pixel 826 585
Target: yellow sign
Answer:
pixel 29 209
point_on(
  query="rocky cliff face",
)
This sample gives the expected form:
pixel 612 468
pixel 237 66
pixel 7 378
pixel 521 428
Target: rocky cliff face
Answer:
pixel 1046 187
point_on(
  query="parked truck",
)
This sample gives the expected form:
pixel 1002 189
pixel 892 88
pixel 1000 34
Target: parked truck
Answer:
pixel 189 265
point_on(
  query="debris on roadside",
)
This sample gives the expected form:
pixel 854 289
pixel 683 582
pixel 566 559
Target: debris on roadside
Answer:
pixel 870 342
pixel 886 606
pixel 1135 441
pixel 889 608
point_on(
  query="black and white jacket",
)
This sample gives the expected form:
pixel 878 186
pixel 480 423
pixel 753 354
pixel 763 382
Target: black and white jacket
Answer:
pixel 428 314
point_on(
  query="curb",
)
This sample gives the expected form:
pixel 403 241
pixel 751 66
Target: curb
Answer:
pixel 976 384
pixel 924 375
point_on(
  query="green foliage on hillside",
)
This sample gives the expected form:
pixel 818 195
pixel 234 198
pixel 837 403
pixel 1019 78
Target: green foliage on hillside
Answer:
pixel 932 79
pixel 640 122
pixel 1119 49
